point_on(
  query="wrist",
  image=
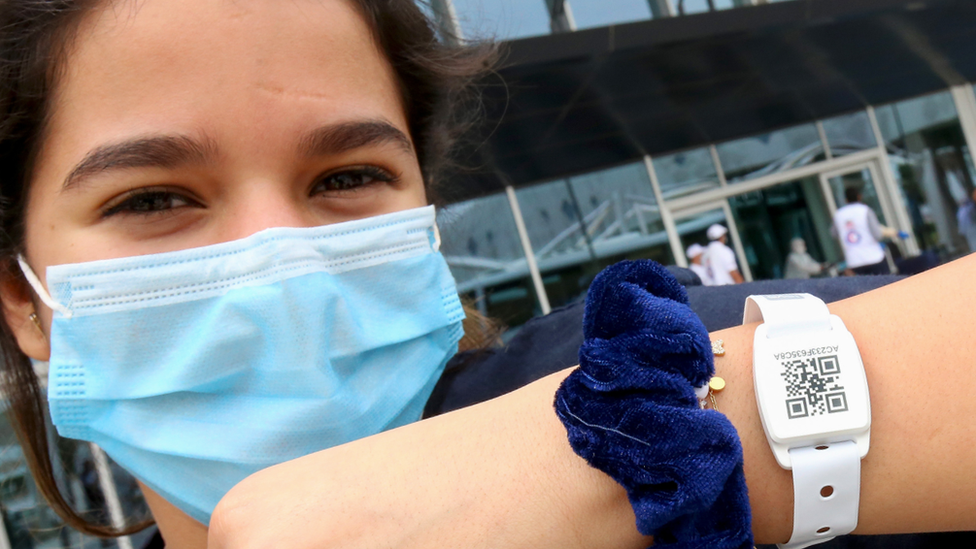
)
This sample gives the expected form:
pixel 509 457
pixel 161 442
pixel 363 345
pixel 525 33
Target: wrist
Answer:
pixel 770 486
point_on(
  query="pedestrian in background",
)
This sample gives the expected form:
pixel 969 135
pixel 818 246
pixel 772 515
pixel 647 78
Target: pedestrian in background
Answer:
pixel 719 259
pixel 860 235
pixel 800 264
pixel 966 218
pixel 695 253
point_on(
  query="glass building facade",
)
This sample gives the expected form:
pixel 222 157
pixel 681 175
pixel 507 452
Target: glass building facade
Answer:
pixel 910 159
pixel 512 19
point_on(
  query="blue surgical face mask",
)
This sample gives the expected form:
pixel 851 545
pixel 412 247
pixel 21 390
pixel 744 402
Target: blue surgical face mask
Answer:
pixel 194 369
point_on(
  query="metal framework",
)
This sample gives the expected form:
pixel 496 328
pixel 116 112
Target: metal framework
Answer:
pixel 447 21
pixel 620 224
pixel 560 16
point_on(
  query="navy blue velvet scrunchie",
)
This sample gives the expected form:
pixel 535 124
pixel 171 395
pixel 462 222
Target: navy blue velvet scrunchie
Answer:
pixel 631 411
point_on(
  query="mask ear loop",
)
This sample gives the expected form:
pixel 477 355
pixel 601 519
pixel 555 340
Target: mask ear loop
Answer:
pixel 437 238
pixel 35 283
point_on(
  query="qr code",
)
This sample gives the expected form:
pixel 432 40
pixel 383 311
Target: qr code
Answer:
pixel 812 387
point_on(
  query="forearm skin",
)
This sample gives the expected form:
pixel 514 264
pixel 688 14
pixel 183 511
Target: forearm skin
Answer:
pixel 501 474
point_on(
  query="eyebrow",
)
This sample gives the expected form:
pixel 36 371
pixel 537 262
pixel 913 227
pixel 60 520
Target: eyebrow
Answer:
pixel 347 136
pixel 170 152
pixel 144 152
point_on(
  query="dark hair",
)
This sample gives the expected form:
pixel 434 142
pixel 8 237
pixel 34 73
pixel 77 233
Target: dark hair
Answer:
pixel 435 79
pixel 852 194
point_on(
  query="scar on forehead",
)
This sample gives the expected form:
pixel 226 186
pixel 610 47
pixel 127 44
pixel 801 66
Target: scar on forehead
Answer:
pixel 298 94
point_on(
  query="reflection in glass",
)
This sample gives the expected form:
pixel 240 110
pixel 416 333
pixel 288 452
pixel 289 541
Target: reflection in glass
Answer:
pixel 774 152
pixel 600 13
pixel 31 524
pixel 688 7
pixel 849 133
pixel 482 248
pixel 933 167
pixel 770 218
pixel 685 173
pixel 502 19
pixel 581 225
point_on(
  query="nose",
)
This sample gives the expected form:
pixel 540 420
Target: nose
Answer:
pixel 264 204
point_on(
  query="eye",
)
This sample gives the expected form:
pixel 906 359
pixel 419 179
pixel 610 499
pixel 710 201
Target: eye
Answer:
pixel 351 180
pixel 148 202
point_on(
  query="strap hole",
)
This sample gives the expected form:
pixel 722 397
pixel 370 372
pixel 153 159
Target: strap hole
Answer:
pixel 822 447
pixel 826 491
pixel 823 530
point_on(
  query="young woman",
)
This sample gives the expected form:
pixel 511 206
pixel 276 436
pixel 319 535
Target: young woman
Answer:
pixel 141 130
pixel 170 165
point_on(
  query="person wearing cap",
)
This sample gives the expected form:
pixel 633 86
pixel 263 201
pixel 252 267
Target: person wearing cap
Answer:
pixel 719 259
pixel 695 253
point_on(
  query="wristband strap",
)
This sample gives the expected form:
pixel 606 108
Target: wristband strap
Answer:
pixel 832 469
pixel 826 477
pixel 787 314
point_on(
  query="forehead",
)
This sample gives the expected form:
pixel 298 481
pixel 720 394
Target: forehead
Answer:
pixel 239 67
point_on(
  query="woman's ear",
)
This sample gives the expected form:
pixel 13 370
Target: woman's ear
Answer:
pixel 22 318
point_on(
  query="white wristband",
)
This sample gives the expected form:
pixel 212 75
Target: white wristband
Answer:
pixel 825 456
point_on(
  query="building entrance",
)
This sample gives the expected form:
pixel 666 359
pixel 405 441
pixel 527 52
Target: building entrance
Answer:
pixel 770 218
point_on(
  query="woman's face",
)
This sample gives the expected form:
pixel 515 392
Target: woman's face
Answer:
pixel 183 123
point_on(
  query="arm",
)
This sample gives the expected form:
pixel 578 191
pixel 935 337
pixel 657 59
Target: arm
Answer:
pixel 874 226
pixel 732 264
pixel 879 231
pixel 809 265
pixel 501 474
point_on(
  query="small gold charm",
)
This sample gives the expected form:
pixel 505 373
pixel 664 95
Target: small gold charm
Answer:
pixel 718 347
pixel 716 384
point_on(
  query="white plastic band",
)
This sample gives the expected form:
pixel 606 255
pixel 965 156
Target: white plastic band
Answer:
pixel 787 313
pixel 826 477
pixel 437 238
pixel 826 491
pixel 35 283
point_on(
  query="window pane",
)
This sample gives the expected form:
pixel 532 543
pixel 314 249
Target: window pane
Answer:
pixel 482 248
pixel 502 19
pixel 774 152
pixel 849 133
pixel 698 6
pixel 621 220
pixel 688 7
pixel 600 13
pixel 933 166
pixel 769 219
pixel 686 172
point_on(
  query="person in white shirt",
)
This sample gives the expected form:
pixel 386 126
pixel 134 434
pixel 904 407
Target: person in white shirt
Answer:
pixel 860 234
pixel 695 253
pixel 966 217
pixel 800 264
pixel 719 259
